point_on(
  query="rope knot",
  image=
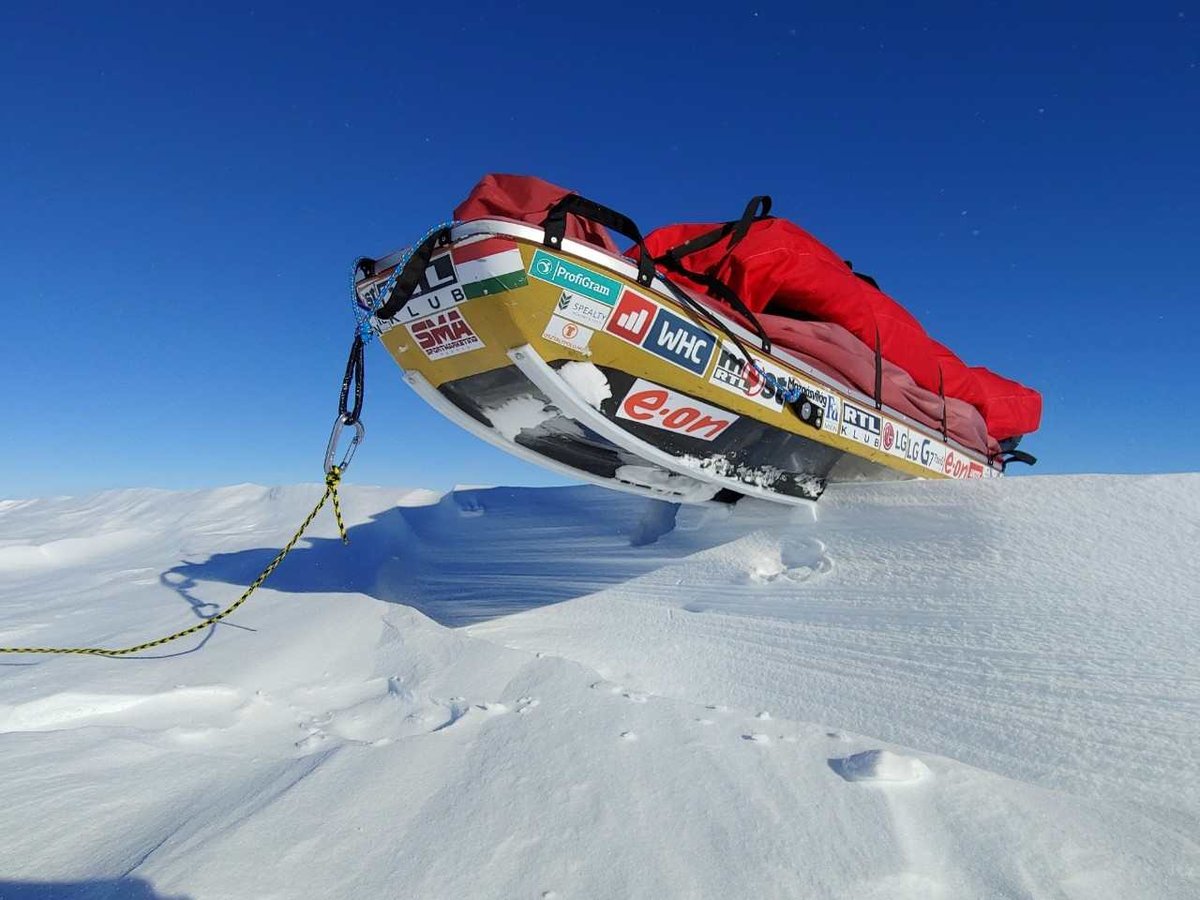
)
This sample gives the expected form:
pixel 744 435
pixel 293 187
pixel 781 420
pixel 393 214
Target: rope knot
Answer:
pixel 332 477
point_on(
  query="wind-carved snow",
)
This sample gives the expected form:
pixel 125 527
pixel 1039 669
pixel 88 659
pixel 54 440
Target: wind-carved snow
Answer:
pixel 907 690
pixel 879 766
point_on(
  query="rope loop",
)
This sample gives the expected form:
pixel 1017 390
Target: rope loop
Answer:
pixel 332 478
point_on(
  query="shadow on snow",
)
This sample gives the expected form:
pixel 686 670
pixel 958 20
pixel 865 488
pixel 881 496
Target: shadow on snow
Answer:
pixel 473 555
pixel 100 889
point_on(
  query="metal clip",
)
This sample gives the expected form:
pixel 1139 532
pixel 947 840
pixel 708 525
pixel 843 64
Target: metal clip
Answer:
pixel 334 436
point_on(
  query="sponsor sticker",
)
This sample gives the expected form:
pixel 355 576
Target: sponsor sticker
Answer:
pixel 735 375
pixel 438 289
pixel 444 334
pixel 902 441
pixel 489 266
pixel 583 310
pixel 677 340
pixel 959 466
pixel 660 407
pixel 556 270
pixel 632 318
pixel 568 333
pixel 860 425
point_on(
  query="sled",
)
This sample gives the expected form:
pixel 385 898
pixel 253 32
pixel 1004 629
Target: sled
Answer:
pixel 602 369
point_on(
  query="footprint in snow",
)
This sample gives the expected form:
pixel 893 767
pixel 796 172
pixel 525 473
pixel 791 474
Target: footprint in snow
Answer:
pixel 460 711
pixel 881 766
pixel 796 561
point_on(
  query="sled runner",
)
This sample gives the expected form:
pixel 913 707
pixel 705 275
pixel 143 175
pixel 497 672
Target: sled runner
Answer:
pixel 684 370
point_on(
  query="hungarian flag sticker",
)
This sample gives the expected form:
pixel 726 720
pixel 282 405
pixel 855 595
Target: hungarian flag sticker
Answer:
pixel 489 266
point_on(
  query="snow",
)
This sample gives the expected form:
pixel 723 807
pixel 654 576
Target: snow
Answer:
pixel 983 689
pixel 588 381
pixel 518 414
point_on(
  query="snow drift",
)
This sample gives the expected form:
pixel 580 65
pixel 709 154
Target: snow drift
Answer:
pixel 920 690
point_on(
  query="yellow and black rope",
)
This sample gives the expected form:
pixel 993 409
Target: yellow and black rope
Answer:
pixel 331 485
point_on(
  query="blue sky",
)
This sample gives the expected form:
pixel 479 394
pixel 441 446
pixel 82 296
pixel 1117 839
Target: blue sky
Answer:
pixel 184 187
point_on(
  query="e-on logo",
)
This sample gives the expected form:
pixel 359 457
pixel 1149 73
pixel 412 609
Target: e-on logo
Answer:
pixel 659 407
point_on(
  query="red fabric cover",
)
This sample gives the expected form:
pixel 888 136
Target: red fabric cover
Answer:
pixel 833 350
pixel 810 301
pixel 779 268
pixel 527 199
pixel 1011 408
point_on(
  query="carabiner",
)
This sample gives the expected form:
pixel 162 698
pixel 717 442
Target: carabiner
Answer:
pixel 334 436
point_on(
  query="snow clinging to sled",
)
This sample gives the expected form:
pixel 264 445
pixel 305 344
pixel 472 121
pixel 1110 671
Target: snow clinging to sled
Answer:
pixel 706 363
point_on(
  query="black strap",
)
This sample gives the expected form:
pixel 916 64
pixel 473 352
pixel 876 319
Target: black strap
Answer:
pixel 757 209
pixel 1011 456
pixel 364 266
pixel 749 216
pixel 354 373
pixel 878 370
pixel 861 275
pixel 736 231
pixel 555 227
pixel 723 292
pixel 942 394
pixel 702 311
pixel 411 275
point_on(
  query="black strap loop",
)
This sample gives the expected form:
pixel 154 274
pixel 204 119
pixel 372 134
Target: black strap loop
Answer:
pixel 749 216
pixel 355 371
pixel 1011 456
pixel 942 394
pixel 878 370
pixel 757 209
pixel 364 266
pixel 721 291
pixel 862 276
pixel 411 275
pixel 735 230
pixel 555 227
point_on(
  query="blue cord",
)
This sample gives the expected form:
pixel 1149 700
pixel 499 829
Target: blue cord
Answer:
pixel 362 316
pixel 788 395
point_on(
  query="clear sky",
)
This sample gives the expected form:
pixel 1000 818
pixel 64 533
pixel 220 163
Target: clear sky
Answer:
pixel 183 188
